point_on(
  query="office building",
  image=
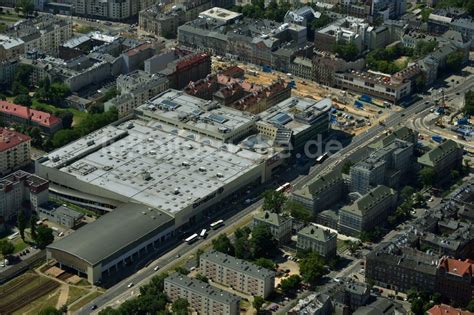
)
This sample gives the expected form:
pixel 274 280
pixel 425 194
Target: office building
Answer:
pixel 13 113
pixel 241 275
pixel 321 192
pixel 443 158
pixel 202 297
pixel 15 150
pixel 402 268
pixel 348 30
pixel 280 226
pixel 19 188
pixel 317 239
pixel 456 279
pixel 135 89
pixel 368 211
pixel 61 215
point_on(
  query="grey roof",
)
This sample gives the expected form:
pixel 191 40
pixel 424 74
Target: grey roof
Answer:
pixel 202 288
pixel 439 153
pixel 381 306
pixel 113 232
pixel 270 218
pixel 237 265
pixel 317 233
pixel 370 200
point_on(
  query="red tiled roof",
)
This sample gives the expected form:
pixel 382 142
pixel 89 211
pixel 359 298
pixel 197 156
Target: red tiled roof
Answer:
pixel 10 139
pixel 39 117
pixel 447 310
pixel 457 267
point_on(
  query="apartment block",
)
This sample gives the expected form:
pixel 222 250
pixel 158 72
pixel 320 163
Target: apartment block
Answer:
pixel 368 211
pixel 384 166
pixel 19 188
pixel 10 47
pixel 241 275
pixel 456 279
pixel 110 9
pixel 202 297
pixel 320 193
pixel 135 89
pixel 13 113
pixel 15 150
pixel 279 225
pixel 402 268
pixel 317 239
pixel 443 158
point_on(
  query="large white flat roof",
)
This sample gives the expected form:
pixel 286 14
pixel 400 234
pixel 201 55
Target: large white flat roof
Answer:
pixel 152 165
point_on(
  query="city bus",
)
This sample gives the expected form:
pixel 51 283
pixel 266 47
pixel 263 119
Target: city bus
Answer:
pixel 191 239
pixel 217 224
pixel 203 233
pixel 283 187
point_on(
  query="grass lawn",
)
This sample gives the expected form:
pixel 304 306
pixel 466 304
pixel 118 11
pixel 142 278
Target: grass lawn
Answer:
pixel 401 62
pixel 74 294
pixel 18 243
pixel 341 246
pixel 85 29
pixel 33 308
pixel 88 298
pixel 78 115
pixel 9 18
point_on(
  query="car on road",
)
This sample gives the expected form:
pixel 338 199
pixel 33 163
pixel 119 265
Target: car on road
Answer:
pixel 156 268
pixel 93 307
pixel 130 285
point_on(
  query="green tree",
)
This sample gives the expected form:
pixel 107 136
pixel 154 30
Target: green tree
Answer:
pixel 469 103
pixel 182 270
pixel 58 91
pixel 23 99
pixel 346 168
pixel 180 307
pixel 50 310
pixel 155 286
pixel 427 176
pixel 417 307
pixel 223 244
pixel 407 192
pixel 36 139
pixel 33 219
pixel 273 201
pixel 44 236
pixel 265 263
pixel 454 61
pixel 198 256
pixel 470 306
pixel 202 277
pixel 64 136
pixel 298 211
pixel 257 303
pixel 67 119
pixel 23 75
pixel 262 241
pixel 242 248
pixel 348 52
pixel 312 268
pixel 425 14
pixel 27 7
pixel 322 21
pixel 22 223
pixel 290 284
pixel 6 248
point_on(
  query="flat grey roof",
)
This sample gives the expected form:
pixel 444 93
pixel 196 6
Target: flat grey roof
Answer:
pixel 202 288
pixel 238 265
pixel 113 232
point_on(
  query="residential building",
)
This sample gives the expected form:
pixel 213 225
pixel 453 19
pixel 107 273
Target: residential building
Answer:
pixel 443 309
pixel 12 113
pixel 402 133
pixel 257 41
pixel 135 89
pixel 382 306
pixel 110 9
pixel 241 275
pixel 165 23
pixel 44 33
pixel 348 30
pixel 320 193
pixel 313 304
pixel 187 68
pixel 302 67
pixel 325 66
pixel 456 279
pixel 384 166
pixel 18 189
pixel 402 268
pixel 279 225
pixel 443 158
pixel 351 293
pixel 368 211
pixel 202 297
pixel 7 71
pixel 15 150
pixel 317 239
pixel 10 47
pixel 61 215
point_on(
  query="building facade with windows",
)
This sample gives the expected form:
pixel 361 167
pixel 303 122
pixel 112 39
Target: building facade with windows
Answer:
pixel 239 274
pixel 15 150
pixel 280 226
pixel 317 239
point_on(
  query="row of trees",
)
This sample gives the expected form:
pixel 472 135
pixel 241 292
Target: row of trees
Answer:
pixel 274 11
pixel 40 234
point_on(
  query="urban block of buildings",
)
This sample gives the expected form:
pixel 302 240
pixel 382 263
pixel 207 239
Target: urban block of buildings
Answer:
pixel 202 297
pixel 15 150
pixel 443 158
pixel 237 273
pixel 20 188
